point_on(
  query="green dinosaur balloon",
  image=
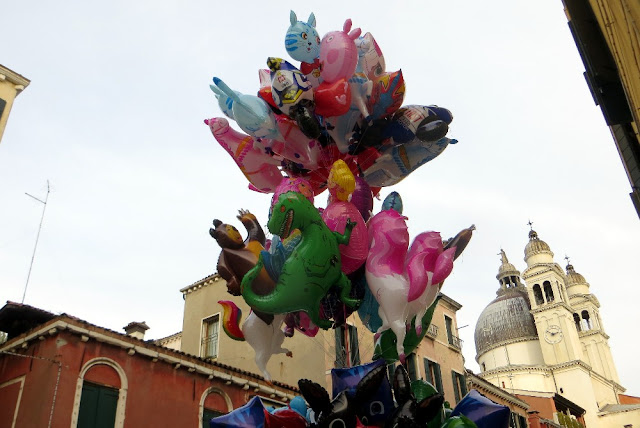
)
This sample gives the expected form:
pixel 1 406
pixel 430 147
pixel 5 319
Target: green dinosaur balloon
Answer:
pixel 386 344
pixel 312 268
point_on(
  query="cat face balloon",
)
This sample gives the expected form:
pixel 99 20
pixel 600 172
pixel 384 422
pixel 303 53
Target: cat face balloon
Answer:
pixel 302 41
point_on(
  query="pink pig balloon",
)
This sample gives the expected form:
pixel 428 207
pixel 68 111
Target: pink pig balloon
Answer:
pixel 339 54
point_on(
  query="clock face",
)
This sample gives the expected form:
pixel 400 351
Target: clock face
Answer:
pixel 553 334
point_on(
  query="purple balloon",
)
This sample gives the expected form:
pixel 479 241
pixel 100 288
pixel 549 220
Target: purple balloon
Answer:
pixel 362 198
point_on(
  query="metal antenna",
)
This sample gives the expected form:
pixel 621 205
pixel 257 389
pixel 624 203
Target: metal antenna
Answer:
pixel 44 203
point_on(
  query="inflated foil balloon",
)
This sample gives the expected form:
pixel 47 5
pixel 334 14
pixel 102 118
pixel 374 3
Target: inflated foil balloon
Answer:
pixel 387 345
pixel 379 406
pixel 251 113
pixel 393 201
pixel 338 60
pixel 294 145
pixel 265 339
pixel 338 53
pixel 237 256
pixel 292 184
pixel 482 411
pixel 250 415
pixel 343 409
pixel 410 412
pixel 362 198
pixel 395 163
pixel 293 95
pixel 339 213
pixel 313 267
pixel 303 44
pixel 426 123
pixel 260 168
pixel 404 281
pixel 370 58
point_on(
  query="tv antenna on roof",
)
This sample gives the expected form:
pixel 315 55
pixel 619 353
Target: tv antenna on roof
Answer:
pixel 44 203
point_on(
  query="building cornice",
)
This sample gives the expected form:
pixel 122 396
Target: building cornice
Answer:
pixel 479 383
pixel 204 282
pixel 177 359
pixel 585 298
pixel 20 82
pixel 542 268
pixel 454 305
pixel 547 306
pixel 507 342
pixel 516 369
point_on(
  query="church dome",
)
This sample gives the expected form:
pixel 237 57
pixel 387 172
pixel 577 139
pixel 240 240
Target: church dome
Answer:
pixel 574 278
pixel 537 246
pixel 506 318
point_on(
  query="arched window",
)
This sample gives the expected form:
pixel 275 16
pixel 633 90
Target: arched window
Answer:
pixel 537 293
pixel 586 321
pixel 101 393
pixel 576 319
pixel 548 291
pixel 214 402
pixel 484 367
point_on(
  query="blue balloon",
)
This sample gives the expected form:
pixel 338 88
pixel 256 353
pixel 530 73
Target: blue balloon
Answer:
pixel 481 410
pixel 251 415
pixel 376 409
pixel 393 201
pixel 368 309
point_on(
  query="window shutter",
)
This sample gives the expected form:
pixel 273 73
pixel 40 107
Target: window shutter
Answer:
pixel 456 387
pixel 438 374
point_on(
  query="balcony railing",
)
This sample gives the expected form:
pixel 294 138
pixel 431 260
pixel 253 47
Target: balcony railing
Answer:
pixel 432 331
pixel 455 342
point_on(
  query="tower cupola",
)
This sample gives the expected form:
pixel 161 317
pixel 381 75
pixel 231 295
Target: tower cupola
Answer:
pixel 575 283
pixel 508 276
pixel 537 251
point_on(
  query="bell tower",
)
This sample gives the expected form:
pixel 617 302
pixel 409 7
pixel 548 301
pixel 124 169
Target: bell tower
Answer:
pixel 588 324
pixel 550 304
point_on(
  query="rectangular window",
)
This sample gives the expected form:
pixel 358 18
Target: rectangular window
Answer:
pixel 210 330
pixel 459 385
pixel 448 322
pixel 347 342
pixel 433 375
pixel 3 103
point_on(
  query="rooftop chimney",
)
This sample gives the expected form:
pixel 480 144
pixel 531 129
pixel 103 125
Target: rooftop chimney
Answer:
pixel 136 329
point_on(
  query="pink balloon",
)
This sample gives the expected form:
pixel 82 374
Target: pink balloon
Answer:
pixel 335 217
pixel 296 184
pixel 338 54
pixel 257 166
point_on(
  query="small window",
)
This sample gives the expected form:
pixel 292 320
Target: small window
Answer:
pixel 448 322
pixel 576 320
pixel 484 367
pixel 548 291
pixel 210 333
pixel 586 321
pixel 537 293
pixel 344 337
pixel 433 375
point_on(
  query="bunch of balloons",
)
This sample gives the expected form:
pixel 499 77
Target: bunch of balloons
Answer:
pixel 362 396
pixel 323 264
pixel 340 103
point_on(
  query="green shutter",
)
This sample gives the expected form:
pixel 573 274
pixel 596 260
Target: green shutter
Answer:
pixel 427 372
pixel 456 388
pixel 3 103
pixel 438 380
pixel 463 385
pixel 207 415
pixel 98 406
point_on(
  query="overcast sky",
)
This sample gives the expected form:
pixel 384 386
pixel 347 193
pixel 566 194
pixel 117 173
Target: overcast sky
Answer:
pixel 113 118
